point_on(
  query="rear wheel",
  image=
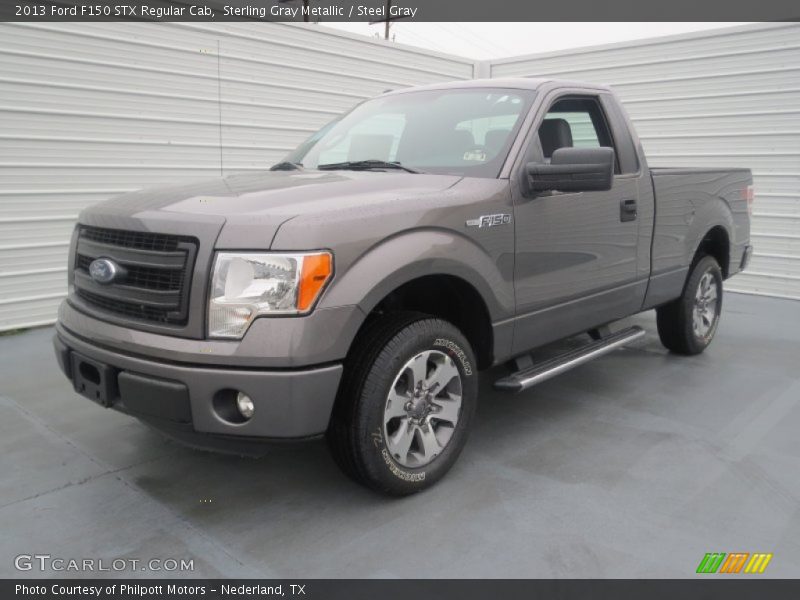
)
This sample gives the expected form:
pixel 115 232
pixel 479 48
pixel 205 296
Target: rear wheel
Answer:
pixel 405 404
pixel 687 325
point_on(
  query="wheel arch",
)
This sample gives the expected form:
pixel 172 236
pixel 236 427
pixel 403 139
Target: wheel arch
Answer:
pixel 710 232
pixel 455 300
pixel 717 243
pixel 436 272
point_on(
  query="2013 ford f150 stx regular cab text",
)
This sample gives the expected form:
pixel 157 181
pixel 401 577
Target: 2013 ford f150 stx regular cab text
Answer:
pixel 355 289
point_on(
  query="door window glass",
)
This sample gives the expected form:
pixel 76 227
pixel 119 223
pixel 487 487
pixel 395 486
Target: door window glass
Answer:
pixel 575 123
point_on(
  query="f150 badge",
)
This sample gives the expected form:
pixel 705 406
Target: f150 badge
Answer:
pixel 489 220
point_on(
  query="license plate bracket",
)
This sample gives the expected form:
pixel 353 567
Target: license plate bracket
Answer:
pixel 94 380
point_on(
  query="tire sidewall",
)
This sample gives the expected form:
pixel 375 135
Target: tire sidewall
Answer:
pixel 427 334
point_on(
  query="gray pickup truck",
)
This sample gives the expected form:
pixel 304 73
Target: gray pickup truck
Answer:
pixel 356 289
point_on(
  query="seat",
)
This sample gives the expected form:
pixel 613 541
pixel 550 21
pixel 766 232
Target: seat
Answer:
pixel 447 146
pixel 554 134
pixel 494 140
pixel 457 141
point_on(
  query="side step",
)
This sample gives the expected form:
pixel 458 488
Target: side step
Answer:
pixel 522 380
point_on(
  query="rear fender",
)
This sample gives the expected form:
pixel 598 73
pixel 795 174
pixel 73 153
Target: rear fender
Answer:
pixel 707 215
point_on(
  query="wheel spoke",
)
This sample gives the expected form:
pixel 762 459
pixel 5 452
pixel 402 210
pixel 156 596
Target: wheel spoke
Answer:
pixel 428 442
pixel 395 406
pixel 705 283
pixel 703 319
pixel 400 442
pixel 448 408
pixel 712 294
pixel 419 369
pixel 443 375
pixel 697 320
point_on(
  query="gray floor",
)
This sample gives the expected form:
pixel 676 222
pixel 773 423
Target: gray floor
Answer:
pixel 635 465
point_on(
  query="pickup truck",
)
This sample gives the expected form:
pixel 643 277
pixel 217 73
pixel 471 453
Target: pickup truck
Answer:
pixel 355 289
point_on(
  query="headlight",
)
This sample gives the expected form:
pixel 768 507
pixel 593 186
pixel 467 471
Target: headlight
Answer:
pixel 245 285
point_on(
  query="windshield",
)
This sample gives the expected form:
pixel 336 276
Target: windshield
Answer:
pixel 459 131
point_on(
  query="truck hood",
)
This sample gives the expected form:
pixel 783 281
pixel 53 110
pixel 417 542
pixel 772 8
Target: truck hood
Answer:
pixel 252 207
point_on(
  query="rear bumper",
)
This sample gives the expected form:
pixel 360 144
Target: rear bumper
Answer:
pixel 184 399
pixel 747 254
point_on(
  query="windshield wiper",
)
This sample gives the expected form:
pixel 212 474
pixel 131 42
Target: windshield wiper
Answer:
pixel 286 166
pixel 363 165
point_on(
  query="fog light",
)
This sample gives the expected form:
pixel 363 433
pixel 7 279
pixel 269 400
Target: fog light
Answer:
pixel 245 405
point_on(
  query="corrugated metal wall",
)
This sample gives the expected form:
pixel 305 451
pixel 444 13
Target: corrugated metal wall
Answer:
pixel 88 111
pixel 729 97
pixel 91 110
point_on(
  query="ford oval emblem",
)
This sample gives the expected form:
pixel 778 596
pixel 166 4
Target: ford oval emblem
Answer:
pixel 103 270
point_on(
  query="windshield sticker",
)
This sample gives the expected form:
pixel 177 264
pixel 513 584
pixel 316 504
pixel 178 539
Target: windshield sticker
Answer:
pixel 475 155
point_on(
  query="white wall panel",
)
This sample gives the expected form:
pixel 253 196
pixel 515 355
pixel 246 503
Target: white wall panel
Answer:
pixel 88 111
pixel 721 98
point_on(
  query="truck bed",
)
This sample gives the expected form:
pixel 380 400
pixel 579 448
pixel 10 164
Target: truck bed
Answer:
pixel 688 202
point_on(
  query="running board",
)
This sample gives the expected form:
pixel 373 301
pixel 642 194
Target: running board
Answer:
pixel 522 380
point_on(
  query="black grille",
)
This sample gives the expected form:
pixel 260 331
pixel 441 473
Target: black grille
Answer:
pixel 127 309
pixel 153 278
pixel 132 239
pixel 145 277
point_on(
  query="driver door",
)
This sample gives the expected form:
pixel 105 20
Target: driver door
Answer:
pixel 576 252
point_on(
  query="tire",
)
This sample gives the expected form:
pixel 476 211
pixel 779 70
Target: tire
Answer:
pixel 687 325
pixel 406 443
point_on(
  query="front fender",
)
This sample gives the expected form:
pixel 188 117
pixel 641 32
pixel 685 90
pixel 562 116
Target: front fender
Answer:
pixel 410 255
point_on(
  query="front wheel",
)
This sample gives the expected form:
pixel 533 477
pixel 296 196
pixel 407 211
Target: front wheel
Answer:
pixel 405 405
pixel 687 325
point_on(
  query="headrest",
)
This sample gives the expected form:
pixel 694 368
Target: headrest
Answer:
pixel 554 134
pixel 495 138
pixel 460 138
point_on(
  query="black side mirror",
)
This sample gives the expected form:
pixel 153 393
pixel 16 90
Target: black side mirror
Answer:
pixel 573 170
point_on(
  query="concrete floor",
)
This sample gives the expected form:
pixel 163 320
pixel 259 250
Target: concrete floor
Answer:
pixel 634 465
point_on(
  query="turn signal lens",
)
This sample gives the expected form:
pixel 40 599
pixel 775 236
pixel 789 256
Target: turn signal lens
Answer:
pixel 317 269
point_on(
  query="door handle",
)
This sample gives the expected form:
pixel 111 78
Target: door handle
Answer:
pixel 627 210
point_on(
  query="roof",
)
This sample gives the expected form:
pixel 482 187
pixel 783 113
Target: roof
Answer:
pixel 519 83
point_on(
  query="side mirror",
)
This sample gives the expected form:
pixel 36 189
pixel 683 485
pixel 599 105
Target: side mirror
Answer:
pixel 573 170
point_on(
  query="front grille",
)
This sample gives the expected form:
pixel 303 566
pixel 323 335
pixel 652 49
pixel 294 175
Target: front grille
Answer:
pixel 145 277
pixel 154 274
pixel 126 309
pixel 132 239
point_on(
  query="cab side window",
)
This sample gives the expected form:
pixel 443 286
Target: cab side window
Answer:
pixel 575 122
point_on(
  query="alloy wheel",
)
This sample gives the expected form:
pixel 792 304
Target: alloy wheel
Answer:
pixel 423 408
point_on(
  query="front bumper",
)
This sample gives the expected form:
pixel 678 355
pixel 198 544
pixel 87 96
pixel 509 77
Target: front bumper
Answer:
pixel 180 398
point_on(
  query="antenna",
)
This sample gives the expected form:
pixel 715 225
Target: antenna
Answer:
pixel 388 19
